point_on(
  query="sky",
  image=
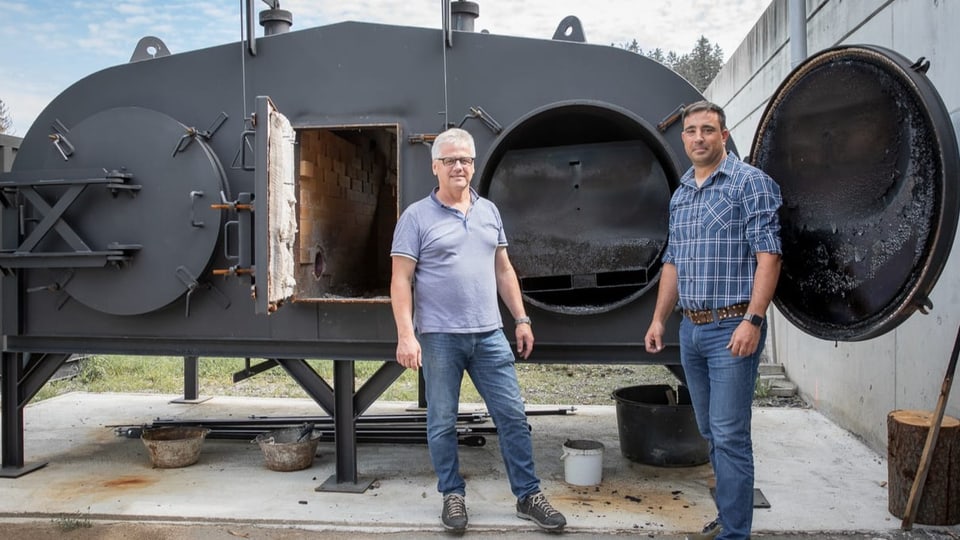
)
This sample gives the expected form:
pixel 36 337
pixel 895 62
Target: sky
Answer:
pixel 47 45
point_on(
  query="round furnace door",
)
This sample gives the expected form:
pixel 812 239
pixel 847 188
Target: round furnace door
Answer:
pixel 866 157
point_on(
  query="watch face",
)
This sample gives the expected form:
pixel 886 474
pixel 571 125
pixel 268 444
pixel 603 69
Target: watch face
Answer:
pixel 755 320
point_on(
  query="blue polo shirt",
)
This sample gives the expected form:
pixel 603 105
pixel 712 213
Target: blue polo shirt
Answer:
pixel 455 281
pixel 717 229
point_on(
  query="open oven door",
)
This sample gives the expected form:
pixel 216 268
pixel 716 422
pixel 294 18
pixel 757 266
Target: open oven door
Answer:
pixel 275 208
pixel 866 157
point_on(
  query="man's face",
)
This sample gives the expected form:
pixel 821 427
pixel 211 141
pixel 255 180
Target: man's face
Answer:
pixel 703 140
pixel 456 175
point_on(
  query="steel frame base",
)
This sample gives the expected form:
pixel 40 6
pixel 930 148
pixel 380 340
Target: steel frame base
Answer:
pixel 196 401
pixel 332 484
pixel 17 472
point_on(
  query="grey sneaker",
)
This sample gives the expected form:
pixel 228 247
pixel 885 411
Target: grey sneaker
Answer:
pixel 710 530
pixel 454 513
pixel 536 508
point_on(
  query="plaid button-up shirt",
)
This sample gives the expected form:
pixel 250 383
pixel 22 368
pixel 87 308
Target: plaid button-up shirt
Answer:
pixel 717 229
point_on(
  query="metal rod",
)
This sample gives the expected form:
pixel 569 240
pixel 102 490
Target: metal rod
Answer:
pixel 363 438
pixel 370 419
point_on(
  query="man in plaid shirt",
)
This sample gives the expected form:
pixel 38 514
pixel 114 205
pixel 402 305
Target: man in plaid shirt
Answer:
pixel 721 265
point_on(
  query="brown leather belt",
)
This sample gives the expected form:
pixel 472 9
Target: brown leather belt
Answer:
pixel 705 316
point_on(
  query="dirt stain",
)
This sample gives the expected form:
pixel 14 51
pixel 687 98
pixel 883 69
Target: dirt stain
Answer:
pixel 640 505
pixel 94 489
pixel 128 482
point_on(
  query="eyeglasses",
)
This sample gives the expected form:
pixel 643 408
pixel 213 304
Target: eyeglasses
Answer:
pixel 451 161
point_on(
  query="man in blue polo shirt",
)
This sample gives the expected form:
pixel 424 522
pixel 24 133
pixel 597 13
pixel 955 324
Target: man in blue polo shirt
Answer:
pixel 721 264
pixel 449 263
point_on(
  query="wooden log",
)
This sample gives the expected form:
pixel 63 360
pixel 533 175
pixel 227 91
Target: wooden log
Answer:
pixel 907 431
pixel 936 420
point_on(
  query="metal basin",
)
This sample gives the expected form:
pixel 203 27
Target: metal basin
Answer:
pixel 172 447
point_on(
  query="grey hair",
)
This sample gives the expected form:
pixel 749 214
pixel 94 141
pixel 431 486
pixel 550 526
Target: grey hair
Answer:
pixel 708 106
pixel 455 136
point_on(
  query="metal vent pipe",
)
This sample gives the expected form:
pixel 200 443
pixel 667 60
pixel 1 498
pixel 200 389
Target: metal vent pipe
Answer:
pixel 797 17
pixel 464 14
pixel 276 21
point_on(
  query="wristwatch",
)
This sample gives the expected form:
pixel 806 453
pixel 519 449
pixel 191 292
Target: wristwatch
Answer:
pixel 753 319
pixel 521 320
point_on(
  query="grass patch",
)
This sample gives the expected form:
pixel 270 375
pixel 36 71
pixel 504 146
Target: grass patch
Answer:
pixel 564 384
pixel 540 384
pixel 762 388
pixel 164 375
pixel 72 522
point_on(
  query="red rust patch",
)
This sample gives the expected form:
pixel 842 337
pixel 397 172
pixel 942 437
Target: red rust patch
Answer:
pixel 125 482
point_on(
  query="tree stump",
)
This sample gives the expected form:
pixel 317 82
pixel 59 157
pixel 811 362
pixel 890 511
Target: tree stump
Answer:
pixel 907 434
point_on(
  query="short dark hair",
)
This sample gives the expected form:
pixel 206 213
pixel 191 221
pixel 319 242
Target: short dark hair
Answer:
pixel 704 105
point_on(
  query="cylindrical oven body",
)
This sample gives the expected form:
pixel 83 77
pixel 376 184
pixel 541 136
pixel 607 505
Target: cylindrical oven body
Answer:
pixel 575 144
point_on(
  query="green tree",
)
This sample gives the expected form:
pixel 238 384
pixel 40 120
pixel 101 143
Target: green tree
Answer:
pixel 633 46
pixel 6 121
pixel 657 54
pixel 699 66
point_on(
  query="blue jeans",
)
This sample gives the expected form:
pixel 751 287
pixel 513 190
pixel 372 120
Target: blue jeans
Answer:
pixel 721 390
pixel 489 360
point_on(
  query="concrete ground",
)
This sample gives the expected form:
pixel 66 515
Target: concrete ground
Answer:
pixel 820 481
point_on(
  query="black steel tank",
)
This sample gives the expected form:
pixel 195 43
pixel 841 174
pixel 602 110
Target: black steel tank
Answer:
pixel 140 225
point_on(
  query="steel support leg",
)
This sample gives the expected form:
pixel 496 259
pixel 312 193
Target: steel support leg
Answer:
pixel 677 371
pixel 345 432
pixel 11 418
pixel 421 391
pixel 191 381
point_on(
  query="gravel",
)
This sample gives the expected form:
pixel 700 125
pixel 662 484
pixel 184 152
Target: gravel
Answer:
pixel 589 384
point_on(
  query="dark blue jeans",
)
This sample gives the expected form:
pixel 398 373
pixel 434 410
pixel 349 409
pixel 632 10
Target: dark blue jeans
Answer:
pixel 721 389
pixel 488 359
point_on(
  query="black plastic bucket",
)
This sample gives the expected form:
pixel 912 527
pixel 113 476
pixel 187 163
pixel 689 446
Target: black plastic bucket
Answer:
pixel 657 426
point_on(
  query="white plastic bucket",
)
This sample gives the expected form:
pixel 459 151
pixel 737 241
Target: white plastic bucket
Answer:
pixel 582 462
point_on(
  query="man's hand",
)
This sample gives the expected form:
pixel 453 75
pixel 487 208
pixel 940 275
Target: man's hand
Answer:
pixel 744 340
pixel 408 352
pixel 654 337
pixel 524 340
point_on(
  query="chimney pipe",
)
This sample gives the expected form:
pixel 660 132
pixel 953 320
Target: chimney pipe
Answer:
pixel 797 21
pixel 276 21
pixel 464 14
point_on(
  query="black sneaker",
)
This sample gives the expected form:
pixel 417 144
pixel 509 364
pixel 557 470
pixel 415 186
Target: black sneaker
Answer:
pixel 536 508
pixel 710 530
pixel 454 513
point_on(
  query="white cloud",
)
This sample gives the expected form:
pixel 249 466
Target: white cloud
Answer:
pixel 128 8
pixel 25 99
pixel 14 7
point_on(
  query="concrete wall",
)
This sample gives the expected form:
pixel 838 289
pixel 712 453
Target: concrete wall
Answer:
pixel 858 384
